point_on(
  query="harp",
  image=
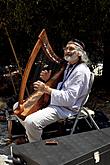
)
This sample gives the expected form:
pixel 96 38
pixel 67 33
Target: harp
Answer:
pixel 37 100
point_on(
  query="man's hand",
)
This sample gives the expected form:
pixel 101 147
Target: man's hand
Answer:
pixel 40 86
pixel 45 75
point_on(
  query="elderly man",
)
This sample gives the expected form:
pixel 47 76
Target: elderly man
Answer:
pixel 66 99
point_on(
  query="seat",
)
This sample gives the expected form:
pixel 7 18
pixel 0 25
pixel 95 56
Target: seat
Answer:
pixel 84 112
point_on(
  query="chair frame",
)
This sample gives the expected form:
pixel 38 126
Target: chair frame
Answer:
pixel 85 109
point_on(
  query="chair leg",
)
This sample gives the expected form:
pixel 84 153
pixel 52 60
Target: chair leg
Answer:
pixel 88 123
pixel 75 123
pixel 77 118
pixel 91 118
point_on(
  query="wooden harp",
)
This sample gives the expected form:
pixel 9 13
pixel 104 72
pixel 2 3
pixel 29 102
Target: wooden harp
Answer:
pixel 36 100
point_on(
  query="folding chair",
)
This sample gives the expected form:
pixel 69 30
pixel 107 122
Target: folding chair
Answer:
pixel 83 111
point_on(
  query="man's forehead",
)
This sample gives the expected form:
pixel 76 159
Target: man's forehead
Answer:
pixel 71 44
pixel 76 44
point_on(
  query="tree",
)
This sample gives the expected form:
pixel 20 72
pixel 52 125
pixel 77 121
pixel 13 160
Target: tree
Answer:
pixel 87 20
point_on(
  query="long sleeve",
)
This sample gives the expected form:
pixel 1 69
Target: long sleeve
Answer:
pixel 73 89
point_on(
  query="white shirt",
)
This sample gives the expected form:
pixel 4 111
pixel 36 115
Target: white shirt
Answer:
pixel 74 89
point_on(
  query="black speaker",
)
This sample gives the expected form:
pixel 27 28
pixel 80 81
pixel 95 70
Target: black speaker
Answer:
pixel 87 148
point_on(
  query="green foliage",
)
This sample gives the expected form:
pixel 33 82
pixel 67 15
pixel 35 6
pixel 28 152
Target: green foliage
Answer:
pixel 87 20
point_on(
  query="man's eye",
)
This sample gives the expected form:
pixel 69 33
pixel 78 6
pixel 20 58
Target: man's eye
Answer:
pixel 71 49
pixel 68 48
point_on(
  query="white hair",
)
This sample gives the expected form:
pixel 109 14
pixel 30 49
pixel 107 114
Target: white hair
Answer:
pixel 83 55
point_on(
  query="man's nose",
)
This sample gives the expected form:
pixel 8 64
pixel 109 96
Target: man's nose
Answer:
pixel 67 50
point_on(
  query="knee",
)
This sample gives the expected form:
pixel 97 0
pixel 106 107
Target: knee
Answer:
pixel 31 123
pixel 28 121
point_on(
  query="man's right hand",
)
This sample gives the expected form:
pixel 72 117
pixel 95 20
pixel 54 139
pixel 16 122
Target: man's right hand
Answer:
pixel 45 75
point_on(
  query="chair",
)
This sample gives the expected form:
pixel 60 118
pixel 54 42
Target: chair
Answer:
pixel 84 112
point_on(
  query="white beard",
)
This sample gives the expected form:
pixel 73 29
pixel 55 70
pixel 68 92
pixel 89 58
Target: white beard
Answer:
pixel 72 58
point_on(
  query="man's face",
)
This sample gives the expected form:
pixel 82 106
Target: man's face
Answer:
pixel 70 53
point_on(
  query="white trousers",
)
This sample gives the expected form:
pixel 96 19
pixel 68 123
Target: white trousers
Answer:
pixel 35 122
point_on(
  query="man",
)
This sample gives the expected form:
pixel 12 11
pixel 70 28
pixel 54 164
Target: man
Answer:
pixel 67 98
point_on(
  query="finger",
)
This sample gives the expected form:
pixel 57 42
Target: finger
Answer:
pixel 36 82
pixel 50 71
pixel 35 88
pixel 44 71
